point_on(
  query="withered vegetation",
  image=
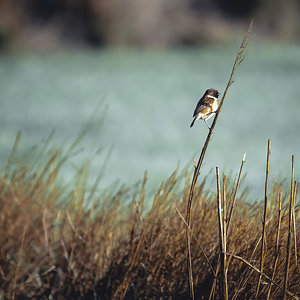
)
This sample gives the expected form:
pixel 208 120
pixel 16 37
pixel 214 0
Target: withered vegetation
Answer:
pixel 53 245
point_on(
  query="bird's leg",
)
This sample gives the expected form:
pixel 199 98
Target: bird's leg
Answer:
pixel 207 124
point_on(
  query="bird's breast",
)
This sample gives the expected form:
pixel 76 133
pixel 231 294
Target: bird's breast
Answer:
pixel 215 105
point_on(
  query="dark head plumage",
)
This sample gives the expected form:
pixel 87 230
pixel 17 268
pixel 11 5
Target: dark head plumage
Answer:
pixel 212 92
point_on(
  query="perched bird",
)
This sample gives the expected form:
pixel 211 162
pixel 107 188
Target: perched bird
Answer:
pixel 206 106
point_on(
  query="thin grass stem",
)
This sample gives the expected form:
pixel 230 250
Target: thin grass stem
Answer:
pixel 262 252
pixel 224 217
pixel 263 274
pixel 223 284
pixel 288 247
pixel 294 222
pixel 276 250
pixel 230 211
pixel 198 242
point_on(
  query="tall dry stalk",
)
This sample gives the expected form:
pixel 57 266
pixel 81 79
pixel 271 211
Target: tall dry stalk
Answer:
pixel 239 59
pixel 262 252
pixel 288 247
pixel 197 241
pixel 223 291
pixel 224 220
pixel 231 207
pixel 227 220
pixel 294 222
pixel 276 251
pixel 221 241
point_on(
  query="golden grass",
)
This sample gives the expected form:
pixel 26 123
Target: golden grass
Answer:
pixel 53 246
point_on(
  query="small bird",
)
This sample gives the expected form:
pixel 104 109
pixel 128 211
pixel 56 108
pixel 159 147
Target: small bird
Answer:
pixel 206 106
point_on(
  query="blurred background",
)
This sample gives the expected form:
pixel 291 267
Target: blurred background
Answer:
pixel 147 63
pixel 51 24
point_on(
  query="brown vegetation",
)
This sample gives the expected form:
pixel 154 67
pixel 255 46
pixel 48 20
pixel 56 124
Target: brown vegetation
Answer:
pixel 52 244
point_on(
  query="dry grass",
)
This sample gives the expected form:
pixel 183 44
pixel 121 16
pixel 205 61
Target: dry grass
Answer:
pixel 53 246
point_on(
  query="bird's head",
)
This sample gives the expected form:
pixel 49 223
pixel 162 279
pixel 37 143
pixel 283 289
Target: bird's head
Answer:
pixel 212 92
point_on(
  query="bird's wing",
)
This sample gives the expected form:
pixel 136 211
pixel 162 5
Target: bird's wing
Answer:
pixel 203 103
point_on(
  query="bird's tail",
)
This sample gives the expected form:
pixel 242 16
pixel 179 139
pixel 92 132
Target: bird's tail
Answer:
pixel 193 123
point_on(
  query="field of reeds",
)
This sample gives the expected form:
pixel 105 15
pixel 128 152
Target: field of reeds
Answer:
pixel 55 244
pixel 187 241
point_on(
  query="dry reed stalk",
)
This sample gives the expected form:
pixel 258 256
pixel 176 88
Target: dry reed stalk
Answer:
pixel 225 240
pixel 223 290
pixel 196 239
pixel 229 215
pixel 263 235
pixel 263 274
pixel 288 247
pixel 189 256
pixel 230 211
pixel 294 222
pixel 239 59
pixel 221 242
pixel 276 251
pixel 213 286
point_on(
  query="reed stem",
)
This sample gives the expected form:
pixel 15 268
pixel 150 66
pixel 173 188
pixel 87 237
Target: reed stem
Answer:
pixel 294 222
pixel 239 59
pixel 288 247
pixel 262 252
pixel 223 289
pixel 276 251
pixel 230 211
